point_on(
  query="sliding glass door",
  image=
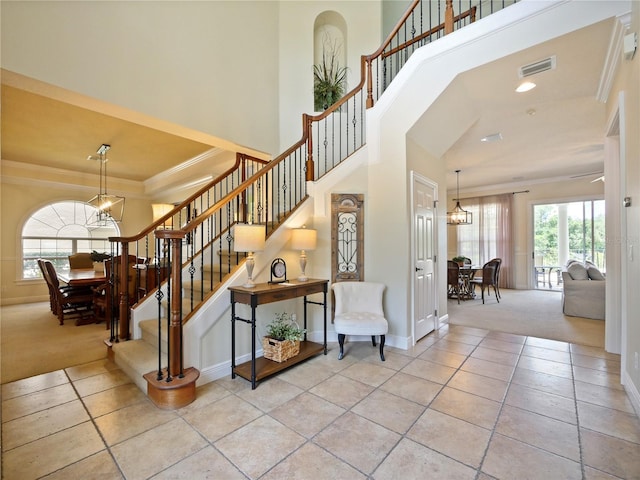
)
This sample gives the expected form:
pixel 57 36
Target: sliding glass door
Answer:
pixel 563 232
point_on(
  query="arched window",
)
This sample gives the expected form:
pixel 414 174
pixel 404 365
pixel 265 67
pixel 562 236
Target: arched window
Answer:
pixel 57 230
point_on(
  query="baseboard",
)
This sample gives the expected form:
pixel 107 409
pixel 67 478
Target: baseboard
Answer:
pixel 632 392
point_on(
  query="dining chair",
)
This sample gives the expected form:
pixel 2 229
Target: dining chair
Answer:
pixel 80 260
pixel 358 311
pixel 68 301
pixel 454 283
pixel 489 278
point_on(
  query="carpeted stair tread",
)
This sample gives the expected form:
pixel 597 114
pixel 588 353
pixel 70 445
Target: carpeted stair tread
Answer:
pixel 136 358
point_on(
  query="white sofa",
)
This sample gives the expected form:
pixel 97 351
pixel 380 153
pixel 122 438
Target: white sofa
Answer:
pixel 583 291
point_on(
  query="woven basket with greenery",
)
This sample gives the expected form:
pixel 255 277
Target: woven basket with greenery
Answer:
pixel 283 338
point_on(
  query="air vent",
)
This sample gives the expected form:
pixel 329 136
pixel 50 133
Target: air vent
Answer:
pixel 537 67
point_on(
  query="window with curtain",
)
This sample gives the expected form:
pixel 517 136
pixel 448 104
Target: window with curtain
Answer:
pixel 489 236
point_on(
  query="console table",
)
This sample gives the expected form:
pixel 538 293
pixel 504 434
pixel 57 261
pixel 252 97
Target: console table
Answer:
pixel 259 368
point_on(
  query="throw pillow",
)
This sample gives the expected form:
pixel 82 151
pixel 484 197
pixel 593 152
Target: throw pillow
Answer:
pixel 594 273
pixel 577 271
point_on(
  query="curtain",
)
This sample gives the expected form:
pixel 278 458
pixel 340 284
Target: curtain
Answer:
pixel 489 236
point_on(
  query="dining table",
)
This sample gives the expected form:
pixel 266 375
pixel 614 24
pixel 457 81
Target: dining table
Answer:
pixel 467 272
pixel 82 277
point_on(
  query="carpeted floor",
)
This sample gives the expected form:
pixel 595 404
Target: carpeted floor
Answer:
pixel 536 313
pixel 32 342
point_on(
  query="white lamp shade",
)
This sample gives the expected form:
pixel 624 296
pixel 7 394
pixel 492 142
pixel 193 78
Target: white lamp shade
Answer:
pixel 303 239
pixel 248 238
pixel 160 210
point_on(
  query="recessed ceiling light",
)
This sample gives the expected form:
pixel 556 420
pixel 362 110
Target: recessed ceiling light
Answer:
pixel 492 138
pixel 525 87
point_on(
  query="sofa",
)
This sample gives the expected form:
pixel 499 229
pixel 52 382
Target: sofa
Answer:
pixel 583 293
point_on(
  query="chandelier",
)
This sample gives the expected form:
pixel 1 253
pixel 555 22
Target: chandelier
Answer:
pixel 459 216
pixel 109 207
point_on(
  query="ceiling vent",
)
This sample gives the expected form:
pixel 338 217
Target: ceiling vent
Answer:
pixel 537 67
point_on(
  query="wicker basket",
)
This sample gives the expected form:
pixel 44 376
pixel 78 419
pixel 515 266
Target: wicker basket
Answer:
pixel 279 350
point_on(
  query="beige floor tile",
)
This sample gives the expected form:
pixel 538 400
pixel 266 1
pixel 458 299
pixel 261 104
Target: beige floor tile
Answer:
pixel 90 369
pixel 511 459
pixel 305 375
pixel 443 357
pixel 543 403
pixel 17 407
pixel 593 474
pixel 206 394
pixel 609 421
pixel 99 466
pixel 307 414
pixel 546 366
pixel 33 384
pixel 497 356
pixel 277 442
pixel 507 337
pixel 450 436
pixel 612 366
pixel 455 347
pixel 462 329
pixel 546 354
pixel 544 381
pixel 342 391
pixel 312 462
pixel 220 418
pixel 207 463
pixel 486 387
pixel 543 432
pixel 113 399
pixel 51 453
pixel 429 371
pixel 393 360
pixel 546 343
pixel 130 421
pixel 611 455
pixel 357 441
pixel 390 411
pixel 369 373
pixel 488 369
pixel 597 377
pixel 172 442
pixel 466 406
pixel 412 460
pixel 604 396
pixel 101 382
pixel 503 346
pixel 594 352
pixel 464 338
pixel 412 388
pixel 270 393
pixel 40 424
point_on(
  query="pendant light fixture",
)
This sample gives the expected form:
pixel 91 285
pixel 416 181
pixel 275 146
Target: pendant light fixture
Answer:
pixel 459 216
pixel 109 207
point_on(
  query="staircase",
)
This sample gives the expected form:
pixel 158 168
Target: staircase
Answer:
pixel 253 191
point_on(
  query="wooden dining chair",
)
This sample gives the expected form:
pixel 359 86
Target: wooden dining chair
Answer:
pixel 489 278
pixel 454 285
pixel 69 302
pixel 80 260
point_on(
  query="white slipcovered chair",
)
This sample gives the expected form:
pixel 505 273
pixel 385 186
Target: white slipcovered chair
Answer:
pixel 358 311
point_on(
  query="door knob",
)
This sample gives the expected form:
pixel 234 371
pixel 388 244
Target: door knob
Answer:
pixel 418 269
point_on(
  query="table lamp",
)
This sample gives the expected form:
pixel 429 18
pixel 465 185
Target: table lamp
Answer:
pixel 303 239
pixel 250 239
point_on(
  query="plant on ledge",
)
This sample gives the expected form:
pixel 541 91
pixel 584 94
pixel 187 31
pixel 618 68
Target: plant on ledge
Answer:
pixel 329 78
pixel 99 257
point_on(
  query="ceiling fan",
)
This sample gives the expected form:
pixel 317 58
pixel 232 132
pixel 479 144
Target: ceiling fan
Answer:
pixel 600 178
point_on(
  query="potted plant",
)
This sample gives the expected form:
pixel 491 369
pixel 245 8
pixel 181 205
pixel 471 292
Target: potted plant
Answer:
pixel 98 260
pixel 459 260
pixel 329 78
pixel 283 338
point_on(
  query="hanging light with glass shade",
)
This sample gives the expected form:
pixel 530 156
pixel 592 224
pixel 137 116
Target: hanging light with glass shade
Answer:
pixel 459 216
pixel 109 207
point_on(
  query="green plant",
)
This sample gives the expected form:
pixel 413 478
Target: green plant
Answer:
pixel 99 257
pixel 285 328
pixel 459 259
pixel 329 78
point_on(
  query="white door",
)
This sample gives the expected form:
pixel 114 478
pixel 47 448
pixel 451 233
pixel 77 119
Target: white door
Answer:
pixel 424 284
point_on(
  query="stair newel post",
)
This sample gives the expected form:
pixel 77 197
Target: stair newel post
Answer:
pixel 448 18
pixel 306 126
pixel 122 281
pixel 175 366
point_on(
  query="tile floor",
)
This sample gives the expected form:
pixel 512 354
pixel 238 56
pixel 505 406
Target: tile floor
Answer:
pixel 464 404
